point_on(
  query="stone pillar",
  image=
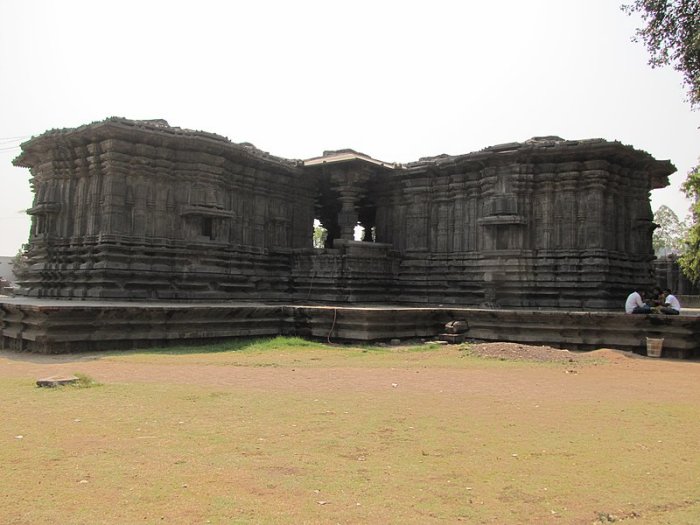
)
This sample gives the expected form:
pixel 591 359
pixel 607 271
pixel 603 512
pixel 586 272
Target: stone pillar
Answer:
pixel 349 182
pixel 347 216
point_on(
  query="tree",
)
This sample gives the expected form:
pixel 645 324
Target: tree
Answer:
pixel 320 234
pixel 690 260
pixel 19 264
pixel 671 33
pixel 669 237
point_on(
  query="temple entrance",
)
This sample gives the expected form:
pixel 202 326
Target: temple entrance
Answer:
pixel 345 204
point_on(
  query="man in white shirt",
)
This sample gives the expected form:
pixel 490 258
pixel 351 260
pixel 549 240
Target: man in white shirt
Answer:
pixel 671 304
pixel 635 304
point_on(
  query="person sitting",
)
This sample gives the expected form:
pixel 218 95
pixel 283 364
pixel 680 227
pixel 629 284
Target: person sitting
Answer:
pixel 635 304
pixel 671 304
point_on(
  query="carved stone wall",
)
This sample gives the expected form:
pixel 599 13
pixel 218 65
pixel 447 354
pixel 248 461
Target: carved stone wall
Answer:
pixel 356 272
pixel 548 223
pixel 141 210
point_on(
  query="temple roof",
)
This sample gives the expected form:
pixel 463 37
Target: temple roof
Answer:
pixel 154 132
pixel 348 155
pixel 158 133
pixel 553 148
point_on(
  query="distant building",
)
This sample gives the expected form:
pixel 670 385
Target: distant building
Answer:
pixel 134 210
pixel 669 275
pixel 6 269
pixel 7 278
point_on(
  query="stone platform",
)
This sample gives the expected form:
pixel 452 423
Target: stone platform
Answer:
pixel 53 326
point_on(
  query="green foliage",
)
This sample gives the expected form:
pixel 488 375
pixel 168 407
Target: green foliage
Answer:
pixel 671 33
pixel 669 237
pixel 320 234
pixel 232 345
pixel 690 260
pixel 283 342
pixel 19 264
pixel 465 348
pixel 84 381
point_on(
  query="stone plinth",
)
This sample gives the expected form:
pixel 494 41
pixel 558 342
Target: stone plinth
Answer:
pixel 47 326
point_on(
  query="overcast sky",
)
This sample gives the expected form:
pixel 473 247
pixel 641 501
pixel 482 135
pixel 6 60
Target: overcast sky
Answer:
pixel 396 80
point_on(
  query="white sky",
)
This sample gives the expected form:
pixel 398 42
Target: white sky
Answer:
pixel 397 80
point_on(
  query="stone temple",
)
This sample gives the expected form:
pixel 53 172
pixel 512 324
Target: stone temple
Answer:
pixel 139 210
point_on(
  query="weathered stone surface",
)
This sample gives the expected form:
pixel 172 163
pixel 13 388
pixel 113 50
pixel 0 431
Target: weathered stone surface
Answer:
pixel 139 210
pixel 54 381
pixel 452 339
pixel 54 326
pixel 456 327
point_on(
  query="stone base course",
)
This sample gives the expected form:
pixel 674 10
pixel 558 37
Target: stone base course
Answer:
pixel 50 326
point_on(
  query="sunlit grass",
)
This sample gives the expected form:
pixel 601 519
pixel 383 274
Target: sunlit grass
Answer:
pixel 294 352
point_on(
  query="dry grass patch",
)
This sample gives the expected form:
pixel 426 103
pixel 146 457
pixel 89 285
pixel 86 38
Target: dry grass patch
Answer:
pixel 323 434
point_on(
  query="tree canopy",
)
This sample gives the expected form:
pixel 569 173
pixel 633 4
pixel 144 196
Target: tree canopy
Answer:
pixel 690 260
pixel 671 33
pixel 669 237
pixel 19 264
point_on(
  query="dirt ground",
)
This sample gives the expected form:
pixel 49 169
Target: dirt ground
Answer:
pixel 480 433
pixel 605 371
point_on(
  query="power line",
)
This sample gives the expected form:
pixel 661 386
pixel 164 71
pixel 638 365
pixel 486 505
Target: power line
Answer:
pixel 18 137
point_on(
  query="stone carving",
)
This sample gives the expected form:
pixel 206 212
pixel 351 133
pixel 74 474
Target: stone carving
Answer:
pixel 141 210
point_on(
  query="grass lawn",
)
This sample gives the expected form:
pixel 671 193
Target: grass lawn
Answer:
pixel 286 431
